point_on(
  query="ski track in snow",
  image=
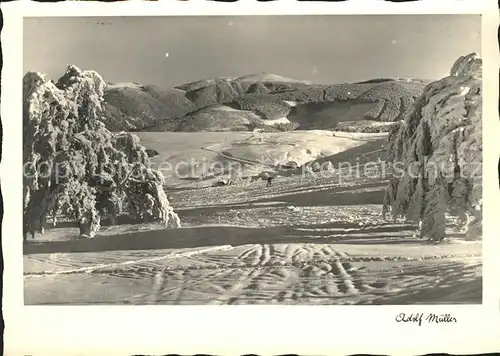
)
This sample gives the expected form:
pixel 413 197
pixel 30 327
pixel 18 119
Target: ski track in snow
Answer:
pixel 279 273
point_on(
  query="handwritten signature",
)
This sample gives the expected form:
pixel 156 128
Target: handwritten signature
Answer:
pixel 419 318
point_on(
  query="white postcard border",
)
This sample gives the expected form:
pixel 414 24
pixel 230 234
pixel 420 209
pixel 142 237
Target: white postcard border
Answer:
pixel 234 330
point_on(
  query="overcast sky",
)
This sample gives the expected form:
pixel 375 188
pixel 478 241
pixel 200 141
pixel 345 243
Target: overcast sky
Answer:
pixel 322 49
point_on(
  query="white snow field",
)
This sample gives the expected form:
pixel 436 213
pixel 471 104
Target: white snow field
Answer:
pixel 307 239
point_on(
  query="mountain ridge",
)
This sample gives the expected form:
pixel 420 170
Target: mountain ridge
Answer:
pixel 256 101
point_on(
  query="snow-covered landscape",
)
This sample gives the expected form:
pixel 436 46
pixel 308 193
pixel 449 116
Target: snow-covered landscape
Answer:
pixel 256 189
pixel 301 241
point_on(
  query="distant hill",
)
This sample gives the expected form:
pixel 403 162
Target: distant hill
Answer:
pixel 258 101
pixel 137 107
pixel 269 78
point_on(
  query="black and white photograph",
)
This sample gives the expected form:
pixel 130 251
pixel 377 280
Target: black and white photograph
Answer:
pixel 235 160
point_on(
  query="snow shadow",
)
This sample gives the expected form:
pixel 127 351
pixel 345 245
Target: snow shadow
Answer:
pixel 206 236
